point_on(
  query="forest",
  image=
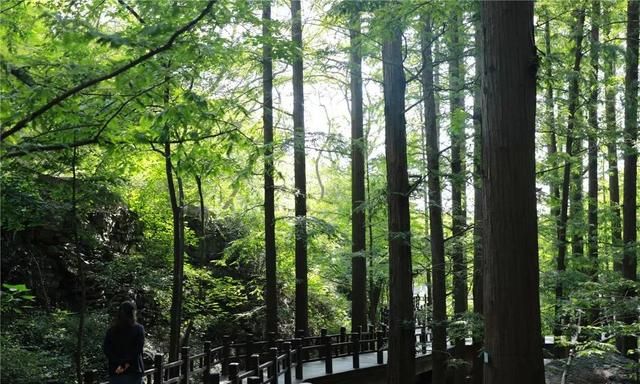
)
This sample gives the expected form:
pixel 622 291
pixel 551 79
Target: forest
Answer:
pixel 259 169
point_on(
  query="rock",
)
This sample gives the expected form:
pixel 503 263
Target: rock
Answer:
pixel 606 368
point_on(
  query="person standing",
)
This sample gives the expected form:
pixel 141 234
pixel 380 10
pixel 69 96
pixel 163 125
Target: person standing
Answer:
pixel 123 344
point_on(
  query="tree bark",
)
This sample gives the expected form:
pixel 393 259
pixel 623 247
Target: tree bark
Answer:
pixel 302 298
pixel 271 288
pixel 478 212
pixel 203 223
pixel 358 229
pixel 401 366
pixel 511 296
pixel 564 204
pixel 593 143
pixel 612 150
pixel 629 204
pixel 458 181
pixel 439 294
pixel 178 259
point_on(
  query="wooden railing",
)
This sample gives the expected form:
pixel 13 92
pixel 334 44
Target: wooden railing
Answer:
pixel 263 361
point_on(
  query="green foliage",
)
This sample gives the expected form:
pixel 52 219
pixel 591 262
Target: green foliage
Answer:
pixel 15 299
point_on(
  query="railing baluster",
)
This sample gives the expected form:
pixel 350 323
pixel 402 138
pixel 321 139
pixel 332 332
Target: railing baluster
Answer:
pixel 214 378
pixel 234 369
pixel 372 340
pixel 323 336
pixel 328 356
pixel 274 359
pixel 249 350
pixel 207 362
pixel 254 380
pixel 423 339
pixel 157 373
pixel 343 339
pixel 379 348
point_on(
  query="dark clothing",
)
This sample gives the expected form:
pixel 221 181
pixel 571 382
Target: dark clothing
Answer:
pixel 124 345
pixel 125 379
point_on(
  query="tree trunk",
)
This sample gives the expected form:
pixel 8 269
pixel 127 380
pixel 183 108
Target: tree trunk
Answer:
pixel 203 223
pixel 612 150
pixel 593 143
pixel 176 291
pixel 458 181
pixel 477 203
pixel 358 229
pixel 302 298
pixel 80 263
pixel 439 344
pixel 629 204
pixel 401 366
pixel 564 204
pixel 271 288
pixel 511 297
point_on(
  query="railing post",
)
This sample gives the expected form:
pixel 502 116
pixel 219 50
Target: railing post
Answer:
pixel 343 339
pixel 287 372
pixel 355 345
pixel 248 350
pixel 423 339
pixel 254 380
pixel 157 368
pixel 89 376
pixel 186 365
pixel 299 359
pixel 372 339
pixel 328 356
pixel 271 339
pixel 234 368
pixel 207 362
pixel 379 348
pixel 274 359
pixel 323 336
pixel 214 378
pixel 300 334
pixel 224 361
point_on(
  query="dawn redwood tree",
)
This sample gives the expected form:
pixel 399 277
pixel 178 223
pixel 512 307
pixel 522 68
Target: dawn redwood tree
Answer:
pixel 358 229
pixel 458 178
pixel 511 297
pixel 592 237
pixel 478 209
pixel 566 178
pixel 270 292
pixel 629 204
pixel 612 146
pixel 401 366
pixel 300 176
pixel 439 294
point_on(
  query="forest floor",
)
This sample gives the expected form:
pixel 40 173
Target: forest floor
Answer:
pixel 607 368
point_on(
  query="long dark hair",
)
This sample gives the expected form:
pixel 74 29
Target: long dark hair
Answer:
pixel 126 314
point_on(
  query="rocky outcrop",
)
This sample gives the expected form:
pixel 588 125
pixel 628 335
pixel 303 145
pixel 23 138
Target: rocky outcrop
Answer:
pixel 606 368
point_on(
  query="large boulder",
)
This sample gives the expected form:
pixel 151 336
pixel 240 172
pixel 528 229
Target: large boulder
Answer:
pixel 605 368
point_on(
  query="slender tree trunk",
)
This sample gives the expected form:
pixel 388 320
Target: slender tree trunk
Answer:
pixel 203 223
pixel 564 204
pixel 176 291
pixel 271 288
pixel 302 298
pixel 80 263
pixel 612 150
pixel 458 181
pixel 511 296
pixel 401 366
pixel 358 229
pixel 477 204
pixel 439 344
pixel 593 143
pixel 629 204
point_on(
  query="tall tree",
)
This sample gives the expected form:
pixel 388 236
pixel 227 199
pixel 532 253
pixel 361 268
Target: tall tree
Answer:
pixel 458 178
pixel 439 294
pixel 300 176
pixel 566 178
pixel 358 229
pixel 511 297
pixel 629 204
pixel 401 366
pixel 478 211
pixel 270 292
pixel 612 147
pixel 593 143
